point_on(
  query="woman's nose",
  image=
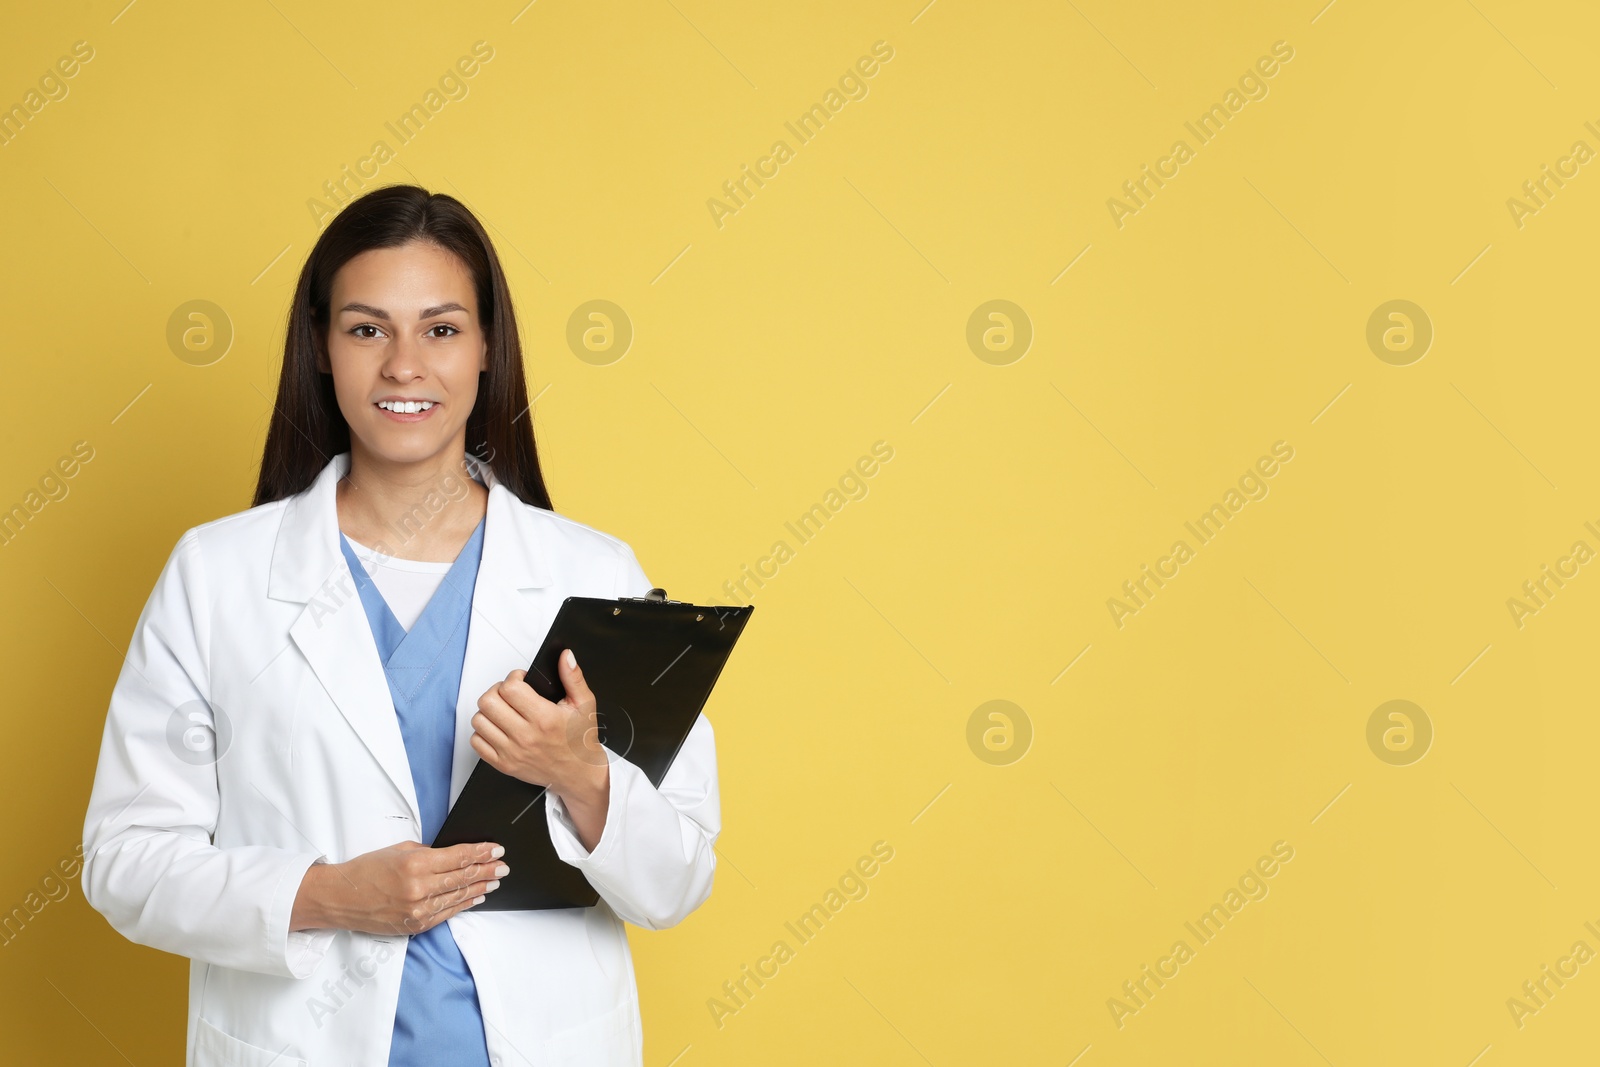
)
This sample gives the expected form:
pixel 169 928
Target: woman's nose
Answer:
pixel 403 360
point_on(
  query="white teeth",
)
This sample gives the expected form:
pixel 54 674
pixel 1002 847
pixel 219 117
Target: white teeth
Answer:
pixel 405 407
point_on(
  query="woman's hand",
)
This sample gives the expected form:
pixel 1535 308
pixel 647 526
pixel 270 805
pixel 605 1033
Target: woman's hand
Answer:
pixel 542 742
pixel 406 888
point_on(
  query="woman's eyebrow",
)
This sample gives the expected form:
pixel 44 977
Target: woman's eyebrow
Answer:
pixel 379 313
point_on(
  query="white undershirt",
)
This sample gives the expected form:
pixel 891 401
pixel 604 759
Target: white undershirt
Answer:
pixel 406 584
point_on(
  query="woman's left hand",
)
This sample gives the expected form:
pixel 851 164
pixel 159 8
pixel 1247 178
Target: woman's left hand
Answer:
pixel 542 742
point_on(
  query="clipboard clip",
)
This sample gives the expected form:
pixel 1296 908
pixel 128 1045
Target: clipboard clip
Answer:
pixel 654 596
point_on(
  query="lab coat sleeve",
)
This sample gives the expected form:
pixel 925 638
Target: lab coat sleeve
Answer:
pixel 655 859
pixel 150 866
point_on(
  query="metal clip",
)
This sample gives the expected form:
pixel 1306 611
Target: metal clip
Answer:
pixel 654 596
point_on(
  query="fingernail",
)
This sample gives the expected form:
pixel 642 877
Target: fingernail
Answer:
pixel 496 852
pixel 501 871
pixel 478 901
pixel 572 661
pixel 492 887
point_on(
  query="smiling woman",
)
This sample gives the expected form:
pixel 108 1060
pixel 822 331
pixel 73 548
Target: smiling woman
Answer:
pixel 353 691
pixel 394 370
pixel 399 277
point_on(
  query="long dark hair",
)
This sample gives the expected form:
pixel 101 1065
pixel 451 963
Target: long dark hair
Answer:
pixel 307 428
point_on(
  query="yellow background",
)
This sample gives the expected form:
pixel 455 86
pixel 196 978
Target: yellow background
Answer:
pixel 770 353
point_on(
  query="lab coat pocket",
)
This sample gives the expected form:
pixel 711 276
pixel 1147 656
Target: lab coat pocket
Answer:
pixel 605 1041
pixel 213 1048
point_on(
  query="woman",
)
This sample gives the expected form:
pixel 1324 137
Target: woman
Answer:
pixel 313 679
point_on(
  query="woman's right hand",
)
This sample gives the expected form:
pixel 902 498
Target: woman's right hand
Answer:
pixel 406 888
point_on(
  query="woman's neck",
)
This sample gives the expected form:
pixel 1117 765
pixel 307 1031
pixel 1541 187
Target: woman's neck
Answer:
pixel 420 511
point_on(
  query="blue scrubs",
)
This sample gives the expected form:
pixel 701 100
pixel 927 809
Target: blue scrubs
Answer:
pixel 438 1019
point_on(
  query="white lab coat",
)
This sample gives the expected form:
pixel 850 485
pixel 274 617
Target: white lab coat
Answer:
pixel 254 632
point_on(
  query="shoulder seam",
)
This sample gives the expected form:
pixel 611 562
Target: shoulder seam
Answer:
pixel 259 509
pixel 576 523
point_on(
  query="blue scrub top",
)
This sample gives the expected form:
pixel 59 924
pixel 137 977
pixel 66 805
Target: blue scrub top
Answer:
pixel 438 1019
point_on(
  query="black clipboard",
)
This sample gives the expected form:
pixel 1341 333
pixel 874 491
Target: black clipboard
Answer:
pixel 651 663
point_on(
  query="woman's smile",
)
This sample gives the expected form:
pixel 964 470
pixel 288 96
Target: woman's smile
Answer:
pixel 401 410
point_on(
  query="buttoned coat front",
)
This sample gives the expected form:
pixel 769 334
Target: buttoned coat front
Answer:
pixel 251 733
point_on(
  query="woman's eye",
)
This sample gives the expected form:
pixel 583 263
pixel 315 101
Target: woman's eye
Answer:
pixel 444 326
pixel 364 326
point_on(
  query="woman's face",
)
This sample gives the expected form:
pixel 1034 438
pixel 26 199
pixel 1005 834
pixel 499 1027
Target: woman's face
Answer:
pixel 403 325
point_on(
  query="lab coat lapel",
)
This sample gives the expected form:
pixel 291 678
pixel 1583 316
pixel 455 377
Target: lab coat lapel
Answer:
pixel 509 616
pixel 511 609
pixel 332 630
